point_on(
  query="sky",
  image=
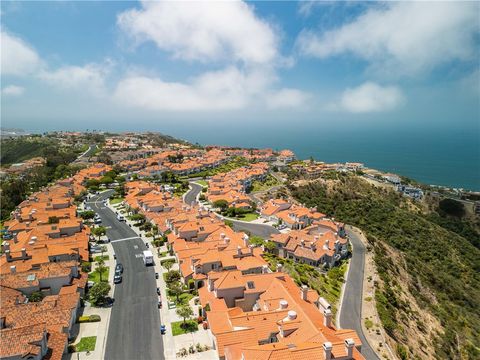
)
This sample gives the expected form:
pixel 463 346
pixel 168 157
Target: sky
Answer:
pixel 153 65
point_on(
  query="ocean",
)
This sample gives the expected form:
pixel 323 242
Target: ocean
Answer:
pixel 437 157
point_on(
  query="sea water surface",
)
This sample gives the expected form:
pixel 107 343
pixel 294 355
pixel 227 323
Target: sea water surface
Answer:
pixel 437 157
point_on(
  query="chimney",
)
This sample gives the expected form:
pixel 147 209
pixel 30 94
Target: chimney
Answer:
pixel 291 315
pixel 323 304
pixel 226 240
pixel 279 267
pixel 283 304
pixel 326 244
pixel 192 263
pixel 24 253
pixel 327 350
pixel 239 251
pixel 222 236
pixel 245 240
pixel 327 317
pixel 8 255
pixel 264 269
pixel 251 249
pixel 210 284
pixel 302 243
pixel 13 269
pixel 349 345
pixel 304 292
pixel 6 246
pixel 313 246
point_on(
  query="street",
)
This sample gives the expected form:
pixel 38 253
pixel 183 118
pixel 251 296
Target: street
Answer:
pixel 350 316
pixel 134 329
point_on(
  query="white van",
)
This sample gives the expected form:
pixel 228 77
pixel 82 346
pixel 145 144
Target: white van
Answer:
pixel 148 257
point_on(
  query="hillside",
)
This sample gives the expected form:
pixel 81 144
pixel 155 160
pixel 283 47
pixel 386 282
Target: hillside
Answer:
pixel 428 268
pixel 18 149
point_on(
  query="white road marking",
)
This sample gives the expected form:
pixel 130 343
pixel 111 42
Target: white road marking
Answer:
pixel 139 256
pixel 125 239
pixel 135 247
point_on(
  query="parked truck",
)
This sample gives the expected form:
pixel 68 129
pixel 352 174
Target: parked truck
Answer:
pixel 148 257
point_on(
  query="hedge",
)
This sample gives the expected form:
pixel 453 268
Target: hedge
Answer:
pixel 91 318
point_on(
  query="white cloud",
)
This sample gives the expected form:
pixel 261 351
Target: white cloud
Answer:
pixel 13 90
pixel 403 37
pixel 227 89
pixel 90 77
pixel 206 32
pixel 371 97
pixel 17 57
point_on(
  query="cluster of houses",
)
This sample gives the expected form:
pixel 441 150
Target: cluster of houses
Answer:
pixel 252 312
pixel 44 245
pixel 185 161
pixel 314 169
pixel 232 186
pixel 314 239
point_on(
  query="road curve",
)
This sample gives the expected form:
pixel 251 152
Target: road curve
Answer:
pixel 134 328
pixel 351 309
pixel 191 195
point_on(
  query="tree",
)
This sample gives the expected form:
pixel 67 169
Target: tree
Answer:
pixel 99 231
pixel 221 204
pixel 36 296
pixel 270 246
pixel 100 267
pixel 185 312
pixel 138 217
pixel 256 240
pixel 98 292
pixel 176 289
pixel 172 277
pixel 167 264
pixel 86 215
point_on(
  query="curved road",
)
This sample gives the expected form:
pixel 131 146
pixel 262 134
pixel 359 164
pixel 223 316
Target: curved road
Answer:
pixel 261 230
pixel 134 328
pixel 351 309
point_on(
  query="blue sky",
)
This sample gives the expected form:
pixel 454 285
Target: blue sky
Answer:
pixel 112 65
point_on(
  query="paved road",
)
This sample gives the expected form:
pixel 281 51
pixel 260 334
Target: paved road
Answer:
pixel 90 151
pixel 133 331
pixel 261 230
pixel 350 316
pixel 191 195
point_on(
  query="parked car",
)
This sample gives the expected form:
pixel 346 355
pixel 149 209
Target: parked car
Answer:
pixel 159 304
pixel 115 256
pixel 119 268
pixel 146 244
pixel 90 284
pixel 97 221
pixel 158 291
pixel 156 275
pixel 121 218
pixel 95 249
pixel 117 279
pixel 163 329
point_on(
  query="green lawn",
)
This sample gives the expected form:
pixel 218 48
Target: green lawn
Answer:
pixel 202 182
pixel 86 344
pixel 105 258
pixel 183 299
pixel 249 217
pixel 95 276
pixel 269 182
pixel 116 201
pixel 179 328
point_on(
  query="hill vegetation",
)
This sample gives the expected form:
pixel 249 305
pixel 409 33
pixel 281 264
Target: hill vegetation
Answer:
pixel 429 258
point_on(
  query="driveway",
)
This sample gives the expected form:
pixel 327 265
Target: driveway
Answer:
pixel 134 329
pixel 351 307
pixel 191 195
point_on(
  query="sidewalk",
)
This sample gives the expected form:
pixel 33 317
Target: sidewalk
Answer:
pixel 98 329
